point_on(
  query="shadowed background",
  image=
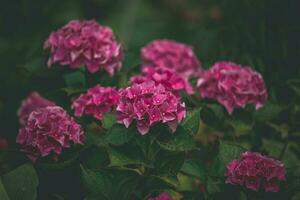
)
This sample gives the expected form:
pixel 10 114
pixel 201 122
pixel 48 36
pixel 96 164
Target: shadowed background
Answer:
pixel 260 33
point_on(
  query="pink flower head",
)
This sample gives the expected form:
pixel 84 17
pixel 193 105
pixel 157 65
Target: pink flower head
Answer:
pixel 96 101
pixel 148 103
pixel 48 130
pixel 172 55
pixel 31 103
pixel 169 79
pixel 162 196
pixel 85 43
pixel 254 171
pixel 233 86
pixel 3 143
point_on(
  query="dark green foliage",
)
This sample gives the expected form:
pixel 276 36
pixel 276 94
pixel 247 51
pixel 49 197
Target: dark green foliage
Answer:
pixel 20 183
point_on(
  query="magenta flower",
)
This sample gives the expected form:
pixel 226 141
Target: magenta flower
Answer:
pixel 172 55
pixel 96 101
pixel 169 79
pixel 162 196
pixel 233 86
pixel 48 130
pixel 148 104
pixel 3 143
pixel 85 43
pixel 31 103
pixel 254 171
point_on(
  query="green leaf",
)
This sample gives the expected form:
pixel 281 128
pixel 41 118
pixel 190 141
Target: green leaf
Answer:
pixel 67 159
pixel 296 196
pixel 124 184
pixel 282 128
pixel 169 161
pixel 186 183
pixel 3 194
pixel 212 115
pixel 213 185
pixel 124 156
pixel 193 168
pixel 169 179
pixel 192 122
pixel 21 183
pixel 229 152
pixel 95 183
pixel 94 157
pixel 174 195
pixel 96 138
pixel 243 196
pixel 75 80
pixel 109 184
pixel 240 127
pixel 274 148
pixel 109 120
pixel 268 112
pixel 72 90
pixel 217 168
pixel 181 140
pixel 119 134
pixel 295 85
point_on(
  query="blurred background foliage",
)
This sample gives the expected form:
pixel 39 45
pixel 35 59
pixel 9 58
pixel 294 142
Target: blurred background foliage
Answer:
pixel 261 33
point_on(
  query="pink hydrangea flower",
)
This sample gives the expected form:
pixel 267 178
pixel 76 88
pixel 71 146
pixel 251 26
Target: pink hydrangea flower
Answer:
pixel 233 86
pixel 172 55
pixel 85 43
pixel 96 101
pixel 31 103
pixel 169 79
pixel 3 143
pixel 148 103
pixel 254 171
pixel 48 130
pixel 162 196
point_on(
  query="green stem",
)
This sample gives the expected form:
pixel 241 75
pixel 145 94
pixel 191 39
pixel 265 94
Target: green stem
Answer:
pixel 283 150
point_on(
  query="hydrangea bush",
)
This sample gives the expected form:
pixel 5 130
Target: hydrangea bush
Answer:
pixel 171 130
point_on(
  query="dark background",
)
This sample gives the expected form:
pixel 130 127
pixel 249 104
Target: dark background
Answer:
pixel 260 33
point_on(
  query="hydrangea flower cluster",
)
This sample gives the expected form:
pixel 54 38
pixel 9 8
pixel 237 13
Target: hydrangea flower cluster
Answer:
pixel 233 86
pixel 85 43
pixel 162 196
pixel 172 55
pixel 169 79
pixel 96 101
pixel 48 130
pixel 255 171
pixel 148 103
pixel 31 103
